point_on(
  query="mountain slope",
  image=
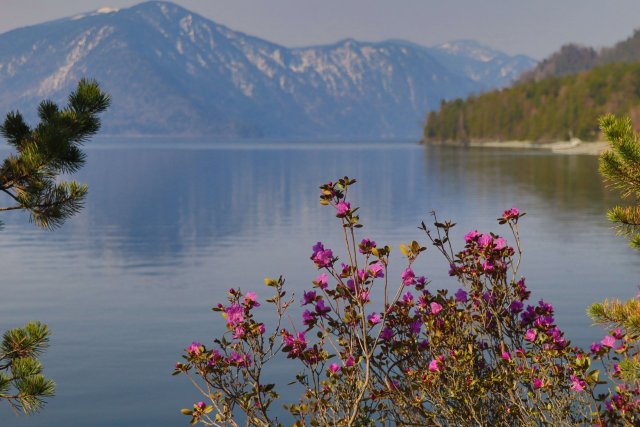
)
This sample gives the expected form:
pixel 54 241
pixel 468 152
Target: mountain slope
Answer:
pixel 572 59
pixel 172 72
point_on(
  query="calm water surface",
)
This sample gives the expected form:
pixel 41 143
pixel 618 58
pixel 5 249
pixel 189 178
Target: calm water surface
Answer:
pixel 169 226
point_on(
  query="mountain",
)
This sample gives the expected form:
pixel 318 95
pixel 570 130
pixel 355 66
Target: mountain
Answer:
pixel 553 109
pixel 572 59
pixel 173 72
pixel 482 64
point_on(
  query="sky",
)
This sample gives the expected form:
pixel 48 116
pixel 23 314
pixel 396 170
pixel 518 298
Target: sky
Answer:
pixel 533 27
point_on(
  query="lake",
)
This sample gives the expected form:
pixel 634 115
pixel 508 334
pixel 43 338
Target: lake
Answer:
pixel 170 225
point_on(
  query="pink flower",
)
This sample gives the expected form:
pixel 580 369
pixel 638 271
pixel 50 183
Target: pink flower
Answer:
pixel 506 356
pixel 617 333
pixel 321 257
pixel 577 384
pixel 234 314
pixel 343 209
pixel 364 296
pixel 435 308
pixel 250 299
pixel 349 362
pixel 261 328
pixel 470 236
pixel 408 276
pixel 608 341
pixel 322 281
pixel 239 332
pixel 436 364
pixel 537 383
pixel 511 213
pixel 499 243
pixel 201 405
pixel 334 367
pixel 531 335
pixel 195 348
pixel 377 270
pixel 374 318
pixel 485 240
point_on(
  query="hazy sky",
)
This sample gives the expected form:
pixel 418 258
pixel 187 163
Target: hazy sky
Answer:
pixel 532 27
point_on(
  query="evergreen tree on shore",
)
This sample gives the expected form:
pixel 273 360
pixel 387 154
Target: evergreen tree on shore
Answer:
pixel 620 167
pixel 29 180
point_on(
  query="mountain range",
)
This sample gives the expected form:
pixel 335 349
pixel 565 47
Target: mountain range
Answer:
pixel 173 72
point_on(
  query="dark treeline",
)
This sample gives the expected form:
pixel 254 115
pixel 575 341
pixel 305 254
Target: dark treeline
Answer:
pixel 553 109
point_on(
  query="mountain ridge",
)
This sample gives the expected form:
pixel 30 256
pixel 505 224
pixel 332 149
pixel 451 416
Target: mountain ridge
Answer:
pixel 172 71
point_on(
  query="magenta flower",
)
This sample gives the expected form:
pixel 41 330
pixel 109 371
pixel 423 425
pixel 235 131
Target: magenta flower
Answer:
pixel 239 332
pixel 322 281
pixel 201 405
pixel 374 318
pixel 250 299
pixel 499 243
pixel 537 383
pixel 531 335
pixel 322 309
pixel 377 270
pixel 577 384
pixel 261 328
pixel 308 318
pixel 234 314
pixel 309 297
pixel 516 306
pixel 350 361
pixel 407 298
pixel 334 367
pixel 321 257
pixel 214 358
pixel 471 236
pixel 487 266
pixel 506 356
pixel 511 213
pixel 343 209
pixel 485 240
pixel 617 333
pixel 195 348
pixel 387 334
pixel 415 327
pixel 595 348
pixel 366 245
pixel 461 296
pixel 408 276
pixel 364 297
pixel 608 341
pixel 239 359
pixel 435 308
pixel 436 364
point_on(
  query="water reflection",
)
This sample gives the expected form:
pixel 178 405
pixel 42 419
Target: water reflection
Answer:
pixel 169 226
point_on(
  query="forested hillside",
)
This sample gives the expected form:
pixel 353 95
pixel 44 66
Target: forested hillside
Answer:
pixel 556 108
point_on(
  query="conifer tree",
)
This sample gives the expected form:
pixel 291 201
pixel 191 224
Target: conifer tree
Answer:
pixel 620 167
pixel 29 180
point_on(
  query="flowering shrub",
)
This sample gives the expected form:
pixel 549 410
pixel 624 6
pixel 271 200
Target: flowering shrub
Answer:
pixel 483 355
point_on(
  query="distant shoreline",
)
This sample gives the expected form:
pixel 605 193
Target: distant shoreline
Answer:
pixel 575 146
